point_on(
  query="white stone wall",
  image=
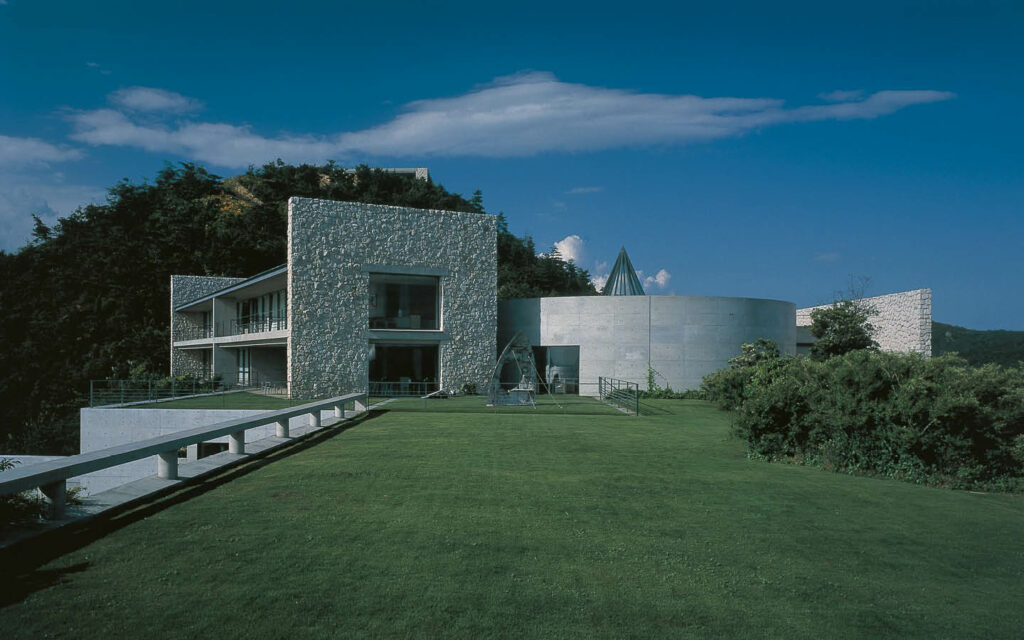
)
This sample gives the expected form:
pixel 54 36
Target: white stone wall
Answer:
pixel 186 289
pixel 333 246
pixel 903 321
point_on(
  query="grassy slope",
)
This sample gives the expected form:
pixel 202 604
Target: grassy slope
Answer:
pixel 978 347
pixel 460 524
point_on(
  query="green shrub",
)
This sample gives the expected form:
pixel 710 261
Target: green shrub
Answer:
pixel 934 420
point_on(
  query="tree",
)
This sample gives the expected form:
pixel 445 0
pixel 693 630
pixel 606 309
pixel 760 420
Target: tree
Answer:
pixel 89 296
pixel 842 327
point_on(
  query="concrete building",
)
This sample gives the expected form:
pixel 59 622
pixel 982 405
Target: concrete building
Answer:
pixel 682 338
pixel 372 297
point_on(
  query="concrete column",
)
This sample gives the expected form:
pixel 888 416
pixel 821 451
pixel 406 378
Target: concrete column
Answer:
pixel 167 465
pixel 236 442
pixel 361 404
pixel 192 452
pixel 339 411
pixel 314 419
pixel 282 428
pixel 55 496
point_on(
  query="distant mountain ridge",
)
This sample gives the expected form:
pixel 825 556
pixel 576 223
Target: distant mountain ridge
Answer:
pixel 978 347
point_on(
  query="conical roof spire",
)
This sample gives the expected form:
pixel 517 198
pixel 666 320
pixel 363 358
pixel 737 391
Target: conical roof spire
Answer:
pixel 622 281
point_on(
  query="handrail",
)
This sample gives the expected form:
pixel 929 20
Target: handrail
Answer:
pixel 51 476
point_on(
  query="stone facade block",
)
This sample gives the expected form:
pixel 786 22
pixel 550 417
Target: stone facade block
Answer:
pixel 332 249
pixel 186 289
pixel 903 321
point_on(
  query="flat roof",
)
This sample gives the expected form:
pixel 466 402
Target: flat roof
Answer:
pixel 259 277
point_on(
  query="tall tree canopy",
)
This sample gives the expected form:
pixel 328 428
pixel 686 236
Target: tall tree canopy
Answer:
pixel 89 298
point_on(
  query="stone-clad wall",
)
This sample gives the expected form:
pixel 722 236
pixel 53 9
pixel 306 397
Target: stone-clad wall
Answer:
pixel 903 321
pixel 332 247
pixel 185 289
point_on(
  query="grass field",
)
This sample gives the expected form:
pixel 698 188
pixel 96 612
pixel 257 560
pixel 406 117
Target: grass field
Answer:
pixel 460 524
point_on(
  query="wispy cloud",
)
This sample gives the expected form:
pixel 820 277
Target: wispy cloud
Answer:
pixel 98 67
pixel 47 196
pixel 575 191
pixel 19 152
pixel 148 99
pixel 841 96
pixel 519 115
pixel 826 257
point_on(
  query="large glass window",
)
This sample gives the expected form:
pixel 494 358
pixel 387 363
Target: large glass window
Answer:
pixel 404 302
pixel 403 370
pixel 265 313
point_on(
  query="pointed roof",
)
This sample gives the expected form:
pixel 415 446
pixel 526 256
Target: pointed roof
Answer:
pixel 622 281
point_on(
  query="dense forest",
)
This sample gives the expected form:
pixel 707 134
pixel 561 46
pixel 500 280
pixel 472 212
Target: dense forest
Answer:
pixel 978 347
pixel 88 298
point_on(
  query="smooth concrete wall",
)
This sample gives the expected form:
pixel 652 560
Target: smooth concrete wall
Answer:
pixel 103 428
pixel 683 338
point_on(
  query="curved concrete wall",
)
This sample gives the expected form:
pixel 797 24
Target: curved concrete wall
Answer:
pixel 683 338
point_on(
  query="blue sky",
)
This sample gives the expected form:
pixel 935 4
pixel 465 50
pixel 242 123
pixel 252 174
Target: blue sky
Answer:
pixel 743 149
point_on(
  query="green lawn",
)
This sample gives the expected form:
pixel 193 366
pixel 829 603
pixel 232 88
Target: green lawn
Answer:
pixel 531 524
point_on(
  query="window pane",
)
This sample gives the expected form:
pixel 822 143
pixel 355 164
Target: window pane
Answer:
pixel 404 302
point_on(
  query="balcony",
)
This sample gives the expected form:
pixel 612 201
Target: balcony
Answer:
pixel 238 328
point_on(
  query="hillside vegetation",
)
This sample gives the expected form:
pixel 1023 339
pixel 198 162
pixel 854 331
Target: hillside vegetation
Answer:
pixel 88 298
pixel 978 347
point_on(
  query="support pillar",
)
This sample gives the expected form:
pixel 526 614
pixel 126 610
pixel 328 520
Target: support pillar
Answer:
pixel 339 411
pixel 282 428
pixel 361 404
pixel 167 465
pixel 314 419
pixel 56 498
pixel 236 442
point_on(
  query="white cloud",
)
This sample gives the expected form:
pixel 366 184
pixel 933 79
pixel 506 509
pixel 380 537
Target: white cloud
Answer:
pixel 570 248
pixel 660 279
pixel 841 96
pixel 47 197
pixel 33 151
pixel 519 115
pixel 148 99
pixel 599 281
pixel 575 191
pixel 826 257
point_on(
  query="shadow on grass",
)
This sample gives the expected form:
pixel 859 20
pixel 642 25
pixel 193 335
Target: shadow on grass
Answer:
pixel 21 562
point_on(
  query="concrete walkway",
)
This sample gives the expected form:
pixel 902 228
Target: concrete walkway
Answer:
pixel 127 495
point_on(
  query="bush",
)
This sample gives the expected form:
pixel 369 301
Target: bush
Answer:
pixel 934 420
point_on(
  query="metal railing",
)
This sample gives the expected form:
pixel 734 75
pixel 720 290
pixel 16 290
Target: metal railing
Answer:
pixel 193 332
pixel 389 389
pixel 620 393
pixel 238 327
pixel 51 477
pixel 229 328
pixel 117 391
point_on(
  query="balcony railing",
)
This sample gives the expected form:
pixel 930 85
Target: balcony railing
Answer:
pixel 194 332
pixel 236 327
pixel 388 389
pixel 230 328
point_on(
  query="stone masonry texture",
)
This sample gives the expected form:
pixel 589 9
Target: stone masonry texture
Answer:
pixel 186 289
pixel 903 321
pixel 333 246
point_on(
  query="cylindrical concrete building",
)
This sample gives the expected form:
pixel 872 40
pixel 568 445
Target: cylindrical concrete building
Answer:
pixel 683 338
